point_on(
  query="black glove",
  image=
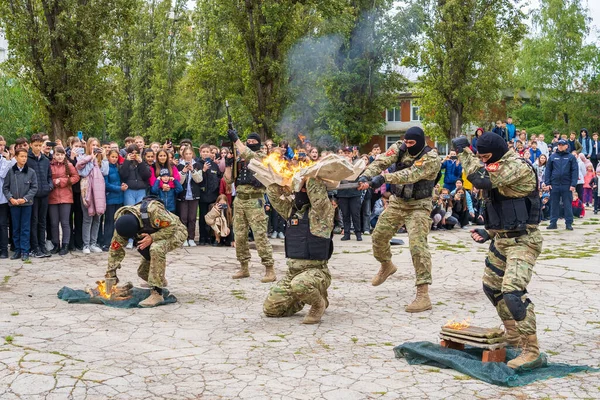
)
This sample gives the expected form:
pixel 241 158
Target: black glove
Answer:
pixel 460 143
pixel 483 233
pixel 232 135
pixel 229 161
pixel 377 181
pixel 403 147
pixel 364 179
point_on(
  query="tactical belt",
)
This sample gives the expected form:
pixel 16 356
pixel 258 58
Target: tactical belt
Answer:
pixel 513 234
pixel 248 196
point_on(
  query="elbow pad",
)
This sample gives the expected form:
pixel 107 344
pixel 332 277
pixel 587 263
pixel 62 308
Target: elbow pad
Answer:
pixel 480 179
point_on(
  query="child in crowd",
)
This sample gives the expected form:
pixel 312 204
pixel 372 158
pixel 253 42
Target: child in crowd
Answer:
pixel 162 189
pixel 578 208
pixel 220 219
pixel 545 207
pixel 19 188
pixel 60 200
pixel 163 162
pixel 6 163
pixel 209 190
pixel 115 190
pixel 41 165
pixel 380 205
pixel 191 177
pixel 534 152
pixel 588 195
pixel 93 194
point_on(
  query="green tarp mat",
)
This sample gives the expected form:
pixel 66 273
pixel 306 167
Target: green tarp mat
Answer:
pixel 468 362
pixel 137 295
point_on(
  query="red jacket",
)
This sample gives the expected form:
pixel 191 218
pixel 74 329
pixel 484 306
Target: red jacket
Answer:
pixel 63 192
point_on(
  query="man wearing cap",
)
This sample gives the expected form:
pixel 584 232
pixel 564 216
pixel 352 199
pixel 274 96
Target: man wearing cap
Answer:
pixel 416 172
pixel 512 214
pixel 248 207
pixel 155 232
pixel 561 177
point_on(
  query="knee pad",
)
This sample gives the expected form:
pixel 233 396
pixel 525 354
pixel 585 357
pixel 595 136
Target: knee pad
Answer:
pixel 494 295
pixel 516 306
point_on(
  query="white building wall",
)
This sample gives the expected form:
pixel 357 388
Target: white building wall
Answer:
pixel 3 47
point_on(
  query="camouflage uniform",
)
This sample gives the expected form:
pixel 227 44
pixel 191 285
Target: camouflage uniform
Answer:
pixel 170 235
pixel 509 262
pixel 415 214
pixel 306 280
pixel 248 211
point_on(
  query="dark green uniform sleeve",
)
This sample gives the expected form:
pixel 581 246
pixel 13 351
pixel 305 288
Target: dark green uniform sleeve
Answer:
pixel 383 161
pixel 279 197
pixel 425 168
pixel 321 213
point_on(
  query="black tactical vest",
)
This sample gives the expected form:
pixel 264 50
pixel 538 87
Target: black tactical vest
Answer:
pixel 147 226
pixel 509 213
pixel 413 191
pixel 245 176
pixel 301 244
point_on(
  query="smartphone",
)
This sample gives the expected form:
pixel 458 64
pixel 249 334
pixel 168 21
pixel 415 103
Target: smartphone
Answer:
pixel 80 135
pixel 80 150
pixel 51 144
pixel 97 151
pixel 223 206
pixel 301 154
pixel 208 160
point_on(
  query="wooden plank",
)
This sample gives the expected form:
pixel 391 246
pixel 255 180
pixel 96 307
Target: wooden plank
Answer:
pixel 476 331
pixel 486 346
pixel 477 339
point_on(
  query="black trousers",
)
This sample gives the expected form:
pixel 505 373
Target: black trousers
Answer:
pixel 350 207
pixel 4 217
pixel 276 222
pixel 109 223
pixel 76 223
pixel 203 228
pixel 59 217
pixel 39 212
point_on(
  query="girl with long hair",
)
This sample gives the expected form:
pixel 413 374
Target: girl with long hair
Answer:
pixel 191 176
pixel 220 219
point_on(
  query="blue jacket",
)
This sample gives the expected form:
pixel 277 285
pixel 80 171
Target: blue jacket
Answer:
pixel 453 171
pixel 512 130
pixel 114 194
pixel 167 197
pixel 561 170
pixel 41 166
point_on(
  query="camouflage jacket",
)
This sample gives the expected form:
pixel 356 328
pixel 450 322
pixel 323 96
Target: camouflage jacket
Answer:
pixel 166 223
pixel 510 175
pixel 426 168
pixel 247 155
pixel 320 211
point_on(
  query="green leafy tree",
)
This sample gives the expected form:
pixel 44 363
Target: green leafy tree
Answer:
pixel 19 110
pixel 466 54
pixel 556 64
pixel 56 48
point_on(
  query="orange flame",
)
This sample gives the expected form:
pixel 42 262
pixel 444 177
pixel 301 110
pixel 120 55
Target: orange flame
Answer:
pixel 302 138
pixel 283 167
pixel 464 324
pixel 102 290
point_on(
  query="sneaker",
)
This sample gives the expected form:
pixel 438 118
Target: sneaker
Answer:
pixel 552 226
pixel 16 255
pixel 569 227
pixel 281 235
pixel 38 254
pixel 186 244
pixel 366 233
pixel 25 257
pixel 86 250
pixel 129 246
pixel 345 237
pixel 191 243
pixel 105 248
pixel 45 252
pixel 95 249
pixel 4 254
pixel 274 235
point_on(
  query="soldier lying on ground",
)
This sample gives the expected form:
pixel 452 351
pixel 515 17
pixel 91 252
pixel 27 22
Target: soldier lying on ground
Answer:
pixel 308 246
pixel 155 232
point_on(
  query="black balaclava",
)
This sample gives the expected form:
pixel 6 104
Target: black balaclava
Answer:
pixel 127 226
pixel 253 147
pixel 415 133
pixel 492 143
pixel 301 199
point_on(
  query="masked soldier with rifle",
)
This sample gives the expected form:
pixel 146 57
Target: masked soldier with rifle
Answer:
pixel 308 246
pixel 512 214
pixel 155 232
pixel 416 171
pixel 248 207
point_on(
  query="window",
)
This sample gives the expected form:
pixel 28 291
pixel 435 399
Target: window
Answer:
pixel 391 139
pixel 414 112
pixel 393 115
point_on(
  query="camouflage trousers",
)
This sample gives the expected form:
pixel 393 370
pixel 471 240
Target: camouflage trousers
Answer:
pixel 289 295
pixel 250 213
pixel 415 215
pixel 153 270
pixel 508 269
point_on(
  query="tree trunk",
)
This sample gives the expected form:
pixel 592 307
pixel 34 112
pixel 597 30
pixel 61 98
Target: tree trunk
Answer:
pixel 58 127
pixel 456 121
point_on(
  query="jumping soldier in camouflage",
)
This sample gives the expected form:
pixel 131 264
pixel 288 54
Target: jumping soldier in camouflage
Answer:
pixel 308 246
pixel 512 214
pixel 156 232
pixel 248 208
pixel 417 167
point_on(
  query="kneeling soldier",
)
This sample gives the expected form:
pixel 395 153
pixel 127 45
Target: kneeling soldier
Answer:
pixel 308 246
pixel 155 232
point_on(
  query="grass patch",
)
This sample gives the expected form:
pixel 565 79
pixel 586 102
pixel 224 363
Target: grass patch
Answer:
pixel 552 353
pixel 281 335
pixel 440 303
pixel 592 322
pixel 547 330
pixel 8 339
pixel 354 339
pixel 273 341
pixel 462 378
pixel 6 278
pixel 388 343
pixel 238 294
pixel 324 345
pixel 14 313
pixel 433 370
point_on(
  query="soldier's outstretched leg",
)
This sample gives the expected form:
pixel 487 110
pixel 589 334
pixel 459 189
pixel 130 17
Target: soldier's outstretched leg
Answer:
pixel 310 287
pixel 240 227
pixel 387 226
pixel 143 269
pixel 418 222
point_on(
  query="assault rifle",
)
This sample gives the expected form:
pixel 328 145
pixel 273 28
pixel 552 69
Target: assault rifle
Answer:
pixel 234 152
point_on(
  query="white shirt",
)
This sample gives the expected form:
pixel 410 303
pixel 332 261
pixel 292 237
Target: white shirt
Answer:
pixel 543 147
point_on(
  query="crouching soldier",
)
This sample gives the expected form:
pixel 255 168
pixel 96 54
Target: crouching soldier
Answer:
pixel 155 232
pixel 308 246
